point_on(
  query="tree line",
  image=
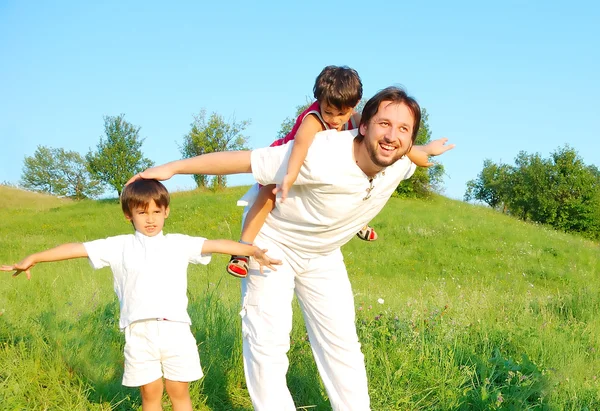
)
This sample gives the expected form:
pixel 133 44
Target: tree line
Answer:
pixel 119 155
pixel 560 191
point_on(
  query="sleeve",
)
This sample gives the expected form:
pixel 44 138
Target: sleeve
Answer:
pixel 101 253
pixel 192 248
pixel 269 164
pixel 410 170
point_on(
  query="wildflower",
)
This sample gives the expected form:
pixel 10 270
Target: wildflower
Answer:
pixel 377 317
pixel 500 399
pixel 380 301
pixel 360 308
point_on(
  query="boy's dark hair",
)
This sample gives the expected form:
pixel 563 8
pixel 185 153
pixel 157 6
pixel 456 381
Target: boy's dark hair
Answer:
pixel 141 192
pixel 394 95
pixel 339 87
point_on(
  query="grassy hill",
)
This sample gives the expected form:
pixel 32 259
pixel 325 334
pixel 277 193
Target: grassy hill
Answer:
pixel 480 311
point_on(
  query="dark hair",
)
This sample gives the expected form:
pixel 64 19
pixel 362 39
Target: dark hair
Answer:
pixel 339 87
pixel 394 95
pixel 141 192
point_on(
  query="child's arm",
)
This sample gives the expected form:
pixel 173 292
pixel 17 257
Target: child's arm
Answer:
pixel 433 148
pixel 62 252
pixel 304 138
pixel 234 248
pixel 417 155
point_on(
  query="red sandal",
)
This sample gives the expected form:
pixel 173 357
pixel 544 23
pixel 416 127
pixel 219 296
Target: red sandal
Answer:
pixel 367 234
pixel 238 266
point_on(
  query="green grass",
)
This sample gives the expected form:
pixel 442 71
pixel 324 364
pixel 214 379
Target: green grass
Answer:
pixel 481 311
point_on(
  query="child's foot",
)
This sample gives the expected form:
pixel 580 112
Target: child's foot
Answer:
pixel 238 266
pixel 367 234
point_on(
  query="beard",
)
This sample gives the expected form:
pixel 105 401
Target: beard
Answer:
pixel 384 162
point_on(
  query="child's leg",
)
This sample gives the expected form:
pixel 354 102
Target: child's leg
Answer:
pixel 152 395
pixel 263 205
pixel 179 394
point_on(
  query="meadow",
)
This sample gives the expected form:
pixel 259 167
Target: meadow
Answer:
pixel 458 308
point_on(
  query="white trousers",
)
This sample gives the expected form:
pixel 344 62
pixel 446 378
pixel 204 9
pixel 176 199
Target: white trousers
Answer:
pixel 325 296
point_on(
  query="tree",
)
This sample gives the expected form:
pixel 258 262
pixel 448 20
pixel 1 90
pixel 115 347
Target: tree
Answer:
pixel 119 156
pixel 59 172
pixel 425 180
pixel 560 191
pixel 490 186
pixel 211 136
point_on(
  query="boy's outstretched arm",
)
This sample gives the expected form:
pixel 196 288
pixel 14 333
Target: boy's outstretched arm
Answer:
pixel 234 248
pixel 304 137
pixel 220 163
pixel 62 252
pixel 420 154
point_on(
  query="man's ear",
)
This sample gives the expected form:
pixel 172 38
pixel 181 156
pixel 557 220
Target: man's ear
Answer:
pixel 167 211
pixel 363 129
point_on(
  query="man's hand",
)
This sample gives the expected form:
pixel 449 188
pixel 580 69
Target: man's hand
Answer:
pixel 264 260
pixel 160 173
pixel 23 266
pixel 438 147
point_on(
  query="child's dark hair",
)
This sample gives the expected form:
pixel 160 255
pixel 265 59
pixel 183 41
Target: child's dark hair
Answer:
pixel 141 192
pixel 339 87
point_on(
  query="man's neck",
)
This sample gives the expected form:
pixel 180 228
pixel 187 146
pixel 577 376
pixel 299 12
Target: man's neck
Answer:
pixel 363 160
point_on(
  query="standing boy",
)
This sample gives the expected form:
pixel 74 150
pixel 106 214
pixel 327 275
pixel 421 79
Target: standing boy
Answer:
pixel 150 280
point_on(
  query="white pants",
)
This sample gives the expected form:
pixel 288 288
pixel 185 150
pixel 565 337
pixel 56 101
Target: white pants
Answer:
pixel 325 296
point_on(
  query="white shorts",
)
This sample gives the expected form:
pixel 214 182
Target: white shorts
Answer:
pixel 155 347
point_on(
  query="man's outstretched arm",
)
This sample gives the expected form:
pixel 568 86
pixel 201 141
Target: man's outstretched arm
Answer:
pixel 220 163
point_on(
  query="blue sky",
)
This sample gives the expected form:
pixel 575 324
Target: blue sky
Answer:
pixel 495 77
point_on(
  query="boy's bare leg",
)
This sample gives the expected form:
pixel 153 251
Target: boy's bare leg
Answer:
pixel 179 394
pixel 264 204
pixel 152 395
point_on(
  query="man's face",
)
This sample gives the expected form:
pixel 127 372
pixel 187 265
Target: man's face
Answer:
pixel 335 117
pixel 149 221
pixel 388 135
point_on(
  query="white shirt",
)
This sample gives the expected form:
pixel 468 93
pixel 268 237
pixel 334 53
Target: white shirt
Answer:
pixel 149 273
pixel 328 204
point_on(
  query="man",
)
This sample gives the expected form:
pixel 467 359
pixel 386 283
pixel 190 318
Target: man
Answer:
pixel 345 181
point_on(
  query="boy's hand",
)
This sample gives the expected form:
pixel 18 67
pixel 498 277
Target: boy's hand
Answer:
pixel 264 260
pixel 438 147
pixel 23 266
pixel 284 187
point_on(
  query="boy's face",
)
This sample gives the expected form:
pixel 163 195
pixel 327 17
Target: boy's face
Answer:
pixel 335 117
pixel 149 221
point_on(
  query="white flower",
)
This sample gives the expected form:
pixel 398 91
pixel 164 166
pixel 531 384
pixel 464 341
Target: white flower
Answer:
pixel 380 301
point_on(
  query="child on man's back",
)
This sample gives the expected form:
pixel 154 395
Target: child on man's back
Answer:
pixel 150 280
pixel 337 91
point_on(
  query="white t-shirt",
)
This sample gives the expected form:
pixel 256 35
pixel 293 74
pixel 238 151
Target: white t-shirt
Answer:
pixel 149 273
pixel 329 202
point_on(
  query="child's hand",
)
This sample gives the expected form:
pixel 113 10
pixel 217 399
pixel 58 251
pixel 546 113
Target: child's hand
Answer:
pixel 284 187
pixel 264 260
pixel 437 147
pixel 23 266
